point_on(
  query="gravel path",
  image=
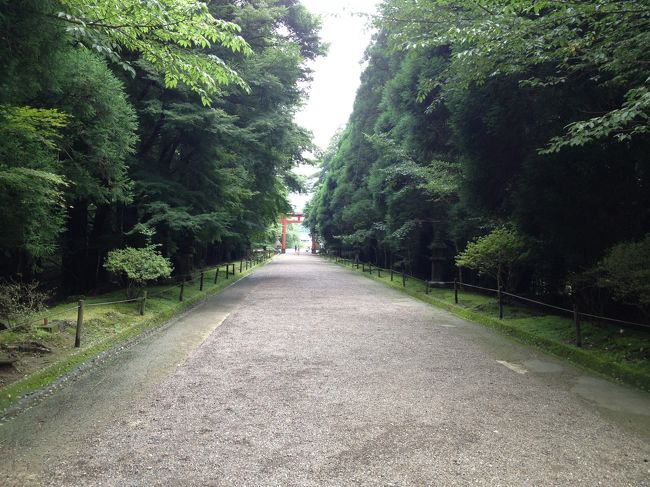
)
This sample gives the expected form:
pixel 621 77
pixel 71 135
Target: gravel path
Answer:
pixel 321 377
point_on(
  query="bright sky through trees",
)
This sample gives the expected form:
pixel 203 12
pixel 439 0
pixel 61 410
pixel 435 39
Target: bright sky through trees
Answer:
pixel 336 76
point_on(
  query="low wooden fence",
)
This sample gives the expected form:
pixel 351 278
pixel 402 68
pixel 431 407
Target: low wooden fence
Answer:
pixel 199 275
pixel 458 287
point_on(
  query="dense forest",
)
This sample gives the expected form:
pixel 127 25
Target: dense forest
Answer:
pixel 503 142
pixel 164 125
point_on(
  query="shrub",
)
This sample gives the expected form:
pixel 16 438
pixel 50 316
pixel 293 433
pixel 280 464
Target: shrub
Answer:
pixel 625 271
pixel 495 254
pixel 18 300
pixel 138 266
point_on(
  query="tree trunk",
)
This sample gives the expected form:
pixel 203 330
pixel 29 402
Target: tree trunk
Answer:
pixel 75 247
pixel 99 243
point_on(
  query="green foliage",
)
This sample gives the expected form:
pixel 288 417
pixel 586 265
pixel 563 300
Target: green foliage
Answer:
pixel 213 180
pixel 139 266
pixel 172 35
pixel 472 114
pixel 31 193
pixel 496 254
pixel 389 178
pixel 101 133
pixel 438 180
pixel 32 216
pixel 625 270
pixel 39 125
pixel 548 43
pixel 198 143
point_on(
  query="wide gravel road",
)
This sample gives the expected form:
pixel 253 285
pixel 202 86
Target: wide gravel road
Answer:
pixel 307 374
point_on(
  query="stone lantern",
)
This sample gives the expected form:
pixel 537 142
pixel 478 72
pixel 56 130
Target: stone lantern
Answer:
pixel 438 257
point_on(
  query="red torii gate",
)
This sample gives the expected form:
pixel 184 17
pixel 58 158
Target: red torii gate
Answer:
pixel 290 220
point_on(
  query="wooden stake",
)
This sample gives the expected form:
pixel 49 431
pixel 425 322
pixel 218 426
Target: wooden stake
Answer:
pixel 143 301
pixel 500 299
pixel 576 320
pixel 80 322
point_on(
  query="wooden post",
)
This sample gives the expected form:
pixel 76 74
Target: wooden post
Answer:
pixel 201 284
pixel 143 302
pixel 363 267
pixel 180 296
pixel 80 322
pixel 227 271
pixel 456 291
pixel 576 320
pixel 500 299
pixel 241 264
pixel 216 275
pixel 370 269
pixel 233 269
pixel 426 287
pixel 403 277
pixel 391 274
pixel 45 321
pixel 378 271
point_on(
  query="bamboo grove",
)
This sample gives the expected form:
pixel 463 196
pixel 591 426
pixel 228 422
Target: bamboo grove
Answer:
pixel 166 124
pixel 501 141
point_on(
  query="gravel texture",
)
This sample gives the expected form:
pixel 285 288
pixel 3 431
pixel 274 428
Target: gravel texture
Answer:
pixel 321 377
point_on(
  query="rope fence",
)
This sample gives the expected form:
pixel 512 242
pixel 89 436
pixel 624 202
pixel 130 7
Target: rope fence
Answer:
pixel 370 267
pixel 245 264
pixel 458 286
pixel 133 300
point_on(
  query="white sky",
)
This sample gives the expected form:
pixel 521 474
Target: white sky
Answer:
pixel 336 76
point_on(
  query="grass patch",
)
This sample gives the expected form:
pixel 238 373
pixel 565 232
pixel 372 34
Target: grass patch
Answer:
pixel 105 327
pixel 621 354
